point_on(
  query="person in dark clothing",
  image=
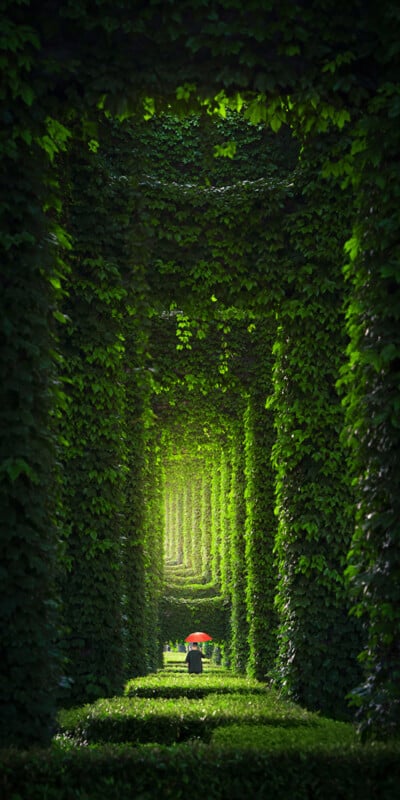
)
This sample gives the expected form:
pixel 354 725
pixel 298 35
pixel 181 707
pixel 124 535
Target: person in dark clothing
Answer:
pixel 194 659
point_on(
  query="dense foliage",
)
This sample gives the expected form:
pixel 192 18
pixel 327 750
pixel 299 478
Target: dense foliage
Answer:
pixel 94 433
pixel 184 245
pixel 315 505
pixel 260 523
pixel 372 380
pixel 236 735
pixel 30 402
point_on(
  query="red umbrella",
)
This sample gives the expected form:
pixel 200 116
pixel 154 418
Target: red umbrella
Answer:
pixel 198 637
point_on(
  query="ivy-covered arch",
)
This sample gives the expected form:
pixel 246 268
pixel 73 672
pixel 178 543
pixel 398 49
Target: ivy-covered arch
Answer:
pixel 311 63
pixel 290 270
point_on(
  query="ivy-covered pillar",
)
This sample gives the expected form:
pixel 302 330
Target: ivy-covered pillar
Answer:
pixel 205 521
pixel 179 493
pixel 225 550
pixel 186 523
pixel 196 516
pixel 95 432
pixel 169 511
pixel 133 551
pixel 372 381
pixel 154 552
pixel 29 397
pixel 215 551
pixel 318 640
pixel 172 517
pixel 239 647
pixel 168 524
pixel 173 523
pixel 260 522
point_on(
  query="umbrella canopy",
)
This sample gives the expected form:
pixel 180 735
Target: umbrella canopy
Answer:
pixel 198 637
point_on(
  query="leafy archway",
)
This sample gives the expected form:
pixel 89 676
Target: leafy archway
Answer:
pixel 304 65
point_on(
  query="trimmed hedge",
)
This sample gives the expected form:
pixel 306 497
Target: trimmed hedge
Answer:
pixel 171 719
pixel 177 685
pixel 187 591
pixel 258 745
pixel 150 771
pixel 179 617
pixel 333 735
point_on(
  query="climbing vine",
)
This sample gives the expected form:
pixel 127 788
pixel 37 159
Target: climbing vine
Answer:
pixel 260 523
pixel 262 245
pixel 318 652
pixel 371 378
pixel 95 436
pixel 239 649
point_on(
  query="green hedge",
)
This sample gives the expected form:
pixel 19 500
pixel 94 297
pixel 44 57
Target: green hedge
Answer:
pixel 178 684
pixel 180 617
pixel 179 574
pixel 191 590
pixel 166 719
pixel 170 772
pixel 331 736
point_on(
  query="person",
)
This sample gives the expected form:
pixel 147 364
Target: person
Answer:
pixel 194 659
